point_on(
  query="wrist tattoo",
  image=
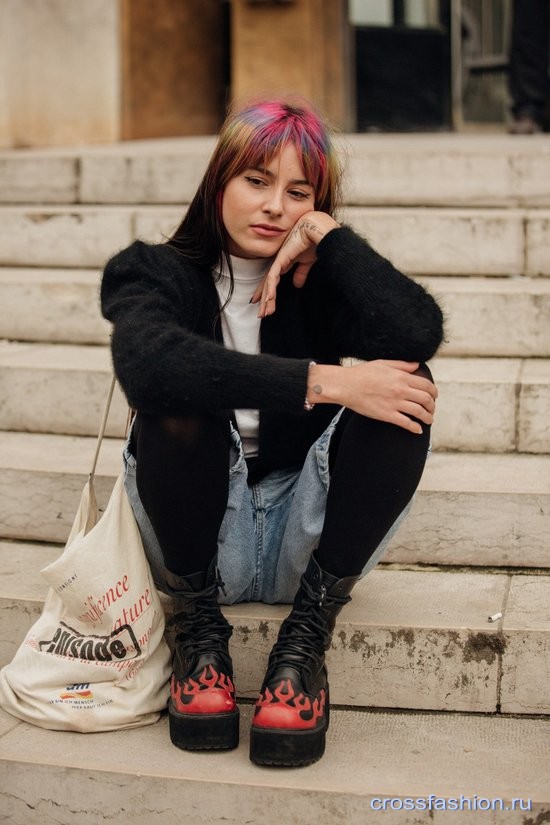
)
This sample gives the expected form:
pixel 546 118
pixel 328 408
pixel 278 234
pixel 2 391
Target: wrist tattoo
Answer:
pixel 317 389
pixel 308 406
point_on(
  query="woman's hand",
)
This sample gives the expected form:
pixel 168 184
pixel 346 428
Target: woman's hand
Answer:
pixel 383 390
pixel 298 247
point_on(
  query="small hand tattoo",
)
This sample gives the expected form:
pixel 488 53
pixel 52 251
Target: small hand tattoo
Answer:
pixel 312 227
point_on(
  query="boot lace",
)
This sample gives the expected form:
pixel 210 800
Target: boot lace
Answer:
pixel 305 633
pixel 203 628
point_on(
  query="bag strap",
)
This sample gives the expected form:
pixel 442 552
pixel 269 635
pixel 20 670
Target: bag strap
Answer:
pixel 103 426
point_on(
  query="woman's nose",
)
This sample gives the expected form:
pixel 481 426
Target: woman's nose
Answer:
pixel 274 203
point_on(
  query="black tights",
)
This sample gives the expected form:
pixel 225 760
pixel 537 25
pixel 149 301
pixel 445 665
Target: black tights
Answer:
pixel 182 480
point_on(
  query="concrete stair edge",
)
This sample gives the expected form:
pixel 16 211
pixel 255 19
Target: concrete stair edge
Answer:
pixel 477 241
pixel 492 170
pixel 485 317
pixel 441 755
pixel 440 620
pixel 471 508
pixel 71 382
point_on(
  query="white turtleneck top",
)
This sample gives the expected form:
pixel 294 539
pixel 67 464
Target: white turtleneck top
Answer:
pixel 241 329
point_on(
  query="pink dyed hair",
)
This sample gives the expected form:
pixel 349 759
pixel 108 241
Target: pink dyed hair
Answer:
pixel 250 137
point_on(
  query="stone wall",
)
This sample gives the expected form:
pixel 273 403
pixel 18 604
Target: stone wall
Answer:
pixel 88 71
pixel 59 72
pixel 301 46
pixel 173 67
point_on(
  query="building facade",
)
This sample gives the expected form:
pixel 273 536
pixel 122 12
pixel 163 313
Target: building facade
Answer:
pixel 74 71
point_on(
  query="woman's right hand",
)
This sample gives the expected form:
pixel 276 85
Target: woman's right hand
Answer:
pixel 299 247
pixel 383 390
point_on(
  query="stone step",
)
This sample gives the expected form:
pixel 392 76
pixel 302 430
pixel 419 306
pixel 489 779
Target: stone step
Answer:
pixel 468 763
pixel 52 305
pixel 471 508
pixel 432 169
pixel 425 241
pixel 51 236
pixel 479 510
pixel 411 639
pixel 492 405
pixel 485 316
pixel 494 316
pixel 60 388
pixel 42 478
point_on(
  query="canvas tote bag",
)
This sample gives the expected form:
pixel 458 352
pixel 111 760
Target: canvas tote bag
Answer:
pixel 96 659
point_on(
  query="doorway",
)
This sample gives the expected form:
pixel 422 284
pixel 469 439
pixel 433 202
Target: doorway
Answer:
pixel 430 65
pixel 402 64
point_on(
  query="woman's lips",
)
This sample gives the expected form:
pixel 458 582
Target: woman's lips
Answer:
pixel 266 231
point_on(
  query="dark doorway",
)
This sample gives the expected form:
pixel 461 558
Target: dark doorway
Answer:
pixel 403 73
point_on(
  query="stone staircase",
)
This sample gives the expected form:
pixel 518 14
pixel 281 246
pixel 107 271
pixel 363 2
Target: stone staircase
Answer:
pixel 431 697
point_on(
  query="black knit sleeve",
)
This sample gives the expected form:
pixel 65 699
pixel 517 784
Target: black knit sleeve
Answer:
pixel 164 365
pixel 375 311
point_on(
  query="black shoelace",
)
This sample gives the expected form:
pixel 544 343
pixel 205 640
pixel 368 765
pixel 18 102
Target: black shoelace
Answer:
pixel 305 634
pixel 204 629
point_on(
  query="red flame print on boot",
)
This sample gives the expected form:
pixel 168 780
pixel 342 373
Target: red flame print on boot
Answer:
pixel 292 714
pixel 212 692
pixel 202 711
pixel 284 708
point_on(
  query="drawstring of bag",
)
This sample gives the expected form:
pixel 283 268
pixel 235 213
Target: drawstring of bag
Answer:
pixel 103 426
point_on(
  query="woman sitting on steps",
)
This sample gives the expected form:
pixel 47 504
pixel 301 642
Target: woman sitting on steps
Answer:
pixel 259 468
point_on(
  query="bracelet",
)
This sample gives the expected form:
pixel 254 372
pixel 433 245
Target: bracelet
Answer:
pixel 307 405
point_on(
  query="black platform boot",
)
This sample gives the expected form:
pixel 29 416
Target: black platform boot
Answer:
pixel 203 714
pixel 292 714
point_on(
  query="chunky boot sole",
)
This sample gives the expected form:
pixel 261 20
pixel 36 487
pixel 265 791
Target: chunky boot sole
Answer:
pixel 283 748
pixel 204 731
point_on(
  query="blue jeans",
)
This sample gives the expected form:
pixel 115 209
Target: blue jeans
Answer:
pixel 270 529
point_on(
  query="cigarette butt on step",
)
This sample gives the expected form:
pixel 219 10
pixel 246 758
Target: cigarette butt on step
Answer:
pixel 495 617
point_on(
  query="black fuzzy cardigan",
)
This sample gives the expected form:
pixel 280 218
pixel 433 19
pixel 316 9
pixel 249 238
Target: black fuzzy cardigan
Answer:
pixel 168 351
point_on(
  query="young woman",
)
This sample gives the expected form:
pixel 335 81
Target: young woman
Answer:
pixel 256 459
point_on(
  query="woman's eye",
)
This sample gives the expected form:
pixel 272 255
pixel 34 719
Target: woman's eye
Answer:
pixel 254 181
pixel 296 193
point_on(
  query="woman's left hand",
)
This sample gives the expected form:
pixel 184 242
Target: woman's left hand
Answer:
pixel 299 247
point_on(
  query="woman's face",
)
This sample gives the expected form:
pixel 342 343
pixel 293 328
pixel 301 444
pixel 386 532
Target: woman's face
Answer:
pixel 260 206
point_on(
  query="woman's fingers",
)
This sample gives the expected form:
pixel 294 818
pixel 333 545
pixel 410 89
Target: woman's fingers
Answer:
pixel 390 391
pixel 406 423
pixel 423 385
pixel 299 247
pixel 410 417
pixel 269 292
pixel 300 274
pixel 419 403
pixel 258 292
pixel 266 293
pixel 416 381
pixel 423 399
pixel 417 411
pixel 414 388
pixel 266 290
